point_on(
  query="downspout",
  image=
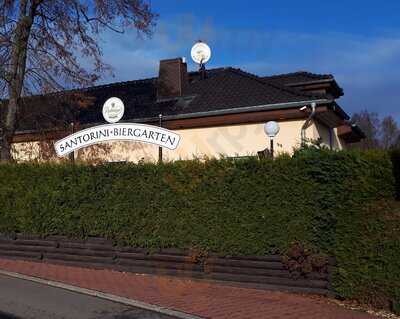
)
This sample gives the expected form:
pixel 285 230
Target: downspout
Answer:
pixel 307 123
pixel 331 138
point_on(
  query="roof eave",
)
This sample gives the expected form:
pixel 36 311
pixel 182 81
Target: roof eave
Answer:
pixel 336 108
pixel 332 81
pixel 246 109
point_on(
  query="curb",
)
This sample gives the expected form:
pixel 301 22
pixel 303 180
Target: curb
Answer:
pixel 106 296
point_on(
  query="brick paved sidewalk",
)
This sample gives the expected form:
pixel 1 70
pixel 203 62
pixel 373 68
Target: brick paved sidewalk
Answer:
pixel 209 300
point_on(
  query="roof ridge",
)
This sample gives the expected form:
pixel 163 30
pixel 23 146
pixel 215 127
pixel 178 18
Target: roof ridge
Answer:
pixel 90 88
pixel 119 83
pixel 221 68
pixel 245 73
pixel 239 71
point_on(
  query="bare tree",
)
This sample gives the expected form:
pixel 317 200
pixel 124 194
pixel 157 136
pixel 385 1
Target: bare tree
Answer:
pixel 370 124
pixel 43 44
pixel 389 132
pixel 52 124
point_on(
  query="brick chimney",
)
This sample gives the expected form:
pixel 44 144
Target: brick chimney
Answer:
pixel 172 78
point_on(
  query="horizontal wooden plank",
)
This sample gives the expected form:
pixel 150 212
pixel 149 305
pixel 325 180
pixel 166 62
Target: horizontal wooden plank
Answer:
pixel 27 242
pixel 4 241
pixel 155 257
pixel 60 238
pixel 159 264
pixel 22 254
pixel 99 241
pixel 245 263
pixel 22 247
pixel 33 242
pixel 77 245
pixel 27 237
pixel 247 271
pixel 82 259
pixel 269 258
pixel 136 250
pixel 174 251
pixel 79 252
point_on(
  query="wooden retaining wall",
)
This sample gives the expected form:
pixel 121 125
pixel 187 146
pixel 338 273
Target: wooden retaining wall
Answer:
pixel 266 272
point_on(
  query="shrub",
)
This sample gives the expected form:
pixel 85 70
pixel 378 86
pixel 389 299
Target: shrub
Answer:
pixel 301 261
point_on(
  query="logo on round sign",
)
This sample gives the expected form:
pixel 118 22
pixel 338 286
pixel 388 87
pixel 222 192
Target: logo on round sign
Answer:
pixel 113 110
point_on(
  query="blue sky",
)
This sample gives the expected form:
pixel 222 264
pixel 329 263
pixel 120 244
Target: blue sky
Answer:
pixel 356 41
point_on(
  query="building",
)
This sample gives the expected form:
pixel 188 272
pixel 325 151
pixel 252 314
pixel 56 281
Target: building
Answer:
pixel 216 112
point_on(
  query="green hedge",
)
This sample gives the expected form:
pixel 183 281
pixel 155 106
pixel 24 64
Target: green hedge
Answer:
pixel 317 197
pixel 368 254
pixel 395 157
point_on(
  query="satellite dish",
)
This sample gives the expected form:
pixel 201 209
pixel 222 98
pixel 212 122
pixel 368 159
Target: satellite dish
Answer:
pixel 113 110
pixel 201 53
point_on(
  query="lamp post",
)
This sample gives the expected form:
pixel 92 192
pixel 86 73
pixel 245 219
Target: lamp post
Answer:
pixel 72 155
pixel 271 129
pixel 160 154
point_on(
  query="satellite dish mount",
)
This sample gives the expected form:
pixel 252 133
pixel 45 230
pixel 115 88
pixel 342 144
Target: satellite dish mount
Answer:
pixel 201 54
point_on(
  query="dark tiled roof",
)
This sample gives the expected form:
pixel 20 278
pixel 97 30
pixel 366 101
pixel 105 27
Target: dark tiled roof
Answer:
pixel 297 77
pixel 234 88
pixel 301 79
pixel 222 89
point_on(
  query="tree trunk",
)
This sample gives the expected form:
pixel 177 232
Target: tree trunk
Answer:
pixel 15 76
pixel 7 131
pixel 5 148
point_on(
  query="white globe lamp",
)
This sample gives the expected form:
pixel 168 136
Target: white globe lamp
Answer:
pixel 271 129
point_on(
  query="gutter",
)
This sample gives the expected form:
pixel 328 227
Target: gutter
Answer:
pixel 246 109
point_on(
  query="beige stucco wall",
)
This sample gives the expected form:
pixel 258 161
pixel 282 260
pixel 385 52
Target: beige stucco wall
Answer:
pixel 235 140
pixel 329 139
pixel 231 140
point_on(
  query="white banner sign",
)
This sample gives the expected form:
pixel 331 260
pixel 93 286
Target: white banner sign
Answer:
pixel 117 132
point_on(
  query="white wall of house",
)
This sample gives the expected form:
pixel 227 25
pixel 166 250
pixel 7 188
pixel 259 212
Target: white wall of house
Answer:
pixel 229 140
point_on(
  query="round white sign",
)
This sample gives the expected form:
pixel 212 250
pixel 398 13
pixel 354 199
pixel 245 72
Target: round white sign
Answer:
pixel 201 53
pixel 113 110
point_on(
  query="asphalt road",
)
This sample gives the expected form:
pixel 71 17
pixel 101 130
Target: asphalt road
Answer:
pixel 23 299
